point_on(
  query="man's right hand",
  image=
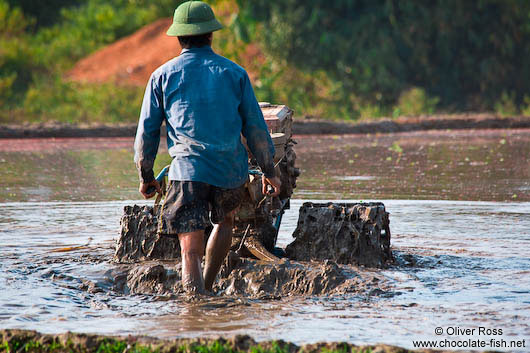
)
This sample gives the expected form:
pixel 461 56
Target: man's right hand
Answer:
pixel 274 182
pixel 145 186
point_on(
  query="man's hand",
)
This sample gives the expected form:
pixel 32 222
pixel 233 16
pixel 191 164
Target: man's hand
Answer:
pixel 274 182
pixel 144 187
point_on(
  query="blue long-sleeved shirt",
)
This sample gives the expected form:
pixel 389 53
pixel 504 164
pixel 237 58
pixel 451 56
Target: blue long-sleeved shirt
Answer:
pixel 207 101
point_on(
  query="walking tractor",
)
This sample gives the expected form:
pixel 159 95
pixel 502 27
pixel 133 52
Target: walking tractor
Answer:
pixel 257 221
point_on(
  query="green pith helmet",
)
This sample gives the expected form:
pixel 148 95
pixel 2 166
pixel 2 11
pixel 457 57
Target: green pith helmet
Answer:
pixel 193 18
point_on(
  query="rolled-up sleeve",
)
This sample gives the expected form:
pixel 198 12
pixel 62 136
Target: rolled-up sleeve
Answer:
pixel 255 129
pixel 148 132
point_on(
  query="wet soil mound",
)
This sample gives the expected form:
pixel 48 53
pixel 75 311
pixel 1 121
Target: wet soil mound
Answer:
pixel 25 340
pixel 345 233
pixel 139 240
pixel 253 279
pixel 130 60
pixel 350 234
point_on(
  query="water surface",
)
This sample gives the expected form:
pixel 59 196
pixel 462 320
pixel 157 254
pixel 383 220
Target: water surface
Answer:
pixel 469 257
pixel 481 165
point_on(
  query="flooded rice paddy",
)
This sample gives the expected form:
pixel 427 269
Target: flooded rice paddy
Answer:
pixel 459 204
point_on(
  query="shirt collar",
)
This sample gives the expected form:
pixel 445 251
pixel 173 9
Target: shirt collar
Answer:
pixel 204 49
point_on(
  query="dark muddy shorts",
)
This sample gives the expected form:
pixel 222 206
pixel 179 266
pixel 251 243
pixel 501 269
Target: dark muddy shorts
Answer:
pixel 187 206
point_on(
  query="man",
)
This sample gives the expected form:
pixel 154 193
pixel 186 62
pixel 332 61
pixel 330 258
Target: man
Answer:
pixel 207 102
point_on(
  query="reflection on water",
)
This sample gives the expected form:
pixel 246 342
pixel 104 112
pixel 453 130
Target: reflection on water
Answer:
pixel 470 264
pixel 485 165
pixel 69 169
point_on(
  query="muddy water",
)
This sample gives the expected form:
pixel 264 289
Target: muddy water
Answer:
pixel 485 165
pixel 461 263
pixel 482 165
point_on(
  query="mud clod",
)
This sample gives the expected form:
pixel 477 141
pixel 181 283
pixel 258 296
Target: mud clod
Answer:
pixel 139 240
pixel 346 233
pixel 255 279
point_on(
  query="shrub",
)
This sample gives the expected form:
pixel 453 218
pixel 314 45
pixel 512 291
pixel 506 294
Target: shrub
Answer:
pixel 525 109
pixel 415 101
pixel 506 106
pixel 72 102
pixel 16 56
pixel 455 50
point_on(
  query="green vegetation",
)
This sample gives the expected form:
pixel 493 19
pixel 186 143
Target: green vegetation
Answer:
pixel 107 345
pixel 111 345
pixel 36 51
pixel 59 100
pixel 345 59
pixel 403 57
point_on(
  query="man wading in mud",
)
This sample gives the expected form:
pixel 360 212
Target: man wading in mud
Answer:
pixel 207 101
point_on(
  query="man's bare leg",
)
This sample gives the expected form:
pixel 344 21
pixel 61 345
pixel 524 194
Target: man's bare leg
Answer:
pixel 191 251
pixel 217 248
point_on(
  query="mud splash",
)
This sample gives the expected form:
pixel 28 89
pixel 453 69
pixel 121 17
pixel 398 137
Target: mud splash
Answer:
pixel 326 234
pixel 250 278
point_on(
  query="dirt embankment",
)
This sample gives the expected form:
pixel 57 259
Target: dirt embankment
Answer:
pixel 300 127
pixel 32 341
pixel 405 124
pixel 130 60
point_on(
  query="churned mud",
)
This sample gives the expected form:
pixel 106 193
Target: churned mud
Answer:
pixel 139 240
pixel 346 233
pixel 251 279
pixel 326 235
pixel 466 274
